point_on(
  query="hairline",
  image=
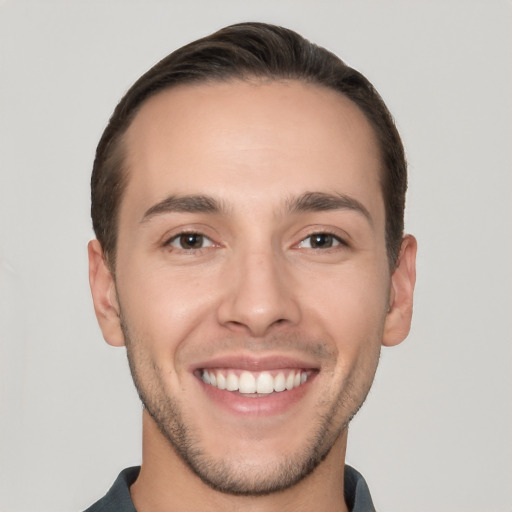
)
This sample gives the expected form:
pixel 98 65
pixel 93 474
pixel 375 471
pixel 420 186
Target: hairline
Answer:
pixel 119 150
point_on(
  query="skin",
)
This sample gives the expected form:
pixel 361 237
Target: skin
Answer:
pixel 255 289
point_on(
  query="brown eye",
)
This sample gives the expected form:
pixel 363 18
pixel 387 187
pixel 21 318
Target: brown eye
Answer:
pixel 320 241
pixel 190 241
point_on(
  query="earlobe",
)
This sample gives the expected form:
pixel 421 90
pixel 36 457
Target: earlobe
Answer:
pixel 104 295
pixel 398 320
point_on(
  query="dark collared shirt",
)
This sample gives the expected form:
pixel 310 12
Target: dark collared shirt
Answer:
pixel 118 499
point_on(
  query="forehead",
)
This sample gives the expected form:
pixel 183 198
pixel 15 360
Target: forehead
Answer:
pixel 245 140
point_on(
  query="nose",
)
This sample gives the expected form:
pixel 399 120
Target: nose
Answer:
pixel 259 295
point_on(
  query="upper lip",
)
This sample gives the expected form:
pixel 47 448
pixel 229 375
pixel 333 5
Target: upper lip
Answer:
pixel 251 362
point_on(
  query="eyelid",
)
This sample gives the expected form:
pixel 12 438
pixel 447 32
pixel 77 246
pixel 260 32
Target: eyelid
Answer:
pixel 179 235
pixel 339 235
pixel 183 231
pixel 338 241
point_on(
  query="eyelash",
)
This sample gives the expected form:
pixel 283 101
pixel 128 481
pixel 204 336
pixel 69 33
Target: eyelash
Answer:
pixel 181 236
pixel 332 239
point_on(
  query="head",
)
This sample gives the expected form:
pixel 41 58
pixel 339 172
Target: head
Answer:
pixel 247 51
pixel 248 200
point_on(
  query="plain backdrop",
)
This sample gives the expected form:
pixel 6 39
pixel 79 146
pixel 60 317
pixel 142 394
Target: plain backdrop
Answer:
pixel 436 431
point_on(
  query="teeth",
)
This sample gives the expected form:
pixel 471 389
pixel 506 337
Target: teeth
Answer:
pixel 289 381
pixel 265 383
pixel 221 381
pixel 250 383
pixel 280 381
pixel 232 383
pixel 247 383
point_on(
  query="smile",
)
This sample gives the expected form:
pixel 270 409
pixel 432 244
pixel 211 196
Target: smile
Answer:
pixel 260 383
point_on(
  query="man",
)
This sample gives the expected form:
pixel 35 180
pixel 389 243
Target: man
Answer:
pixel 248 198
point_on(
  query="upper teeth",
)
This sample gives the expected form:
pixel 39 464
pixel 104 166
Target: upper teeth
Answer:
pixel 248 382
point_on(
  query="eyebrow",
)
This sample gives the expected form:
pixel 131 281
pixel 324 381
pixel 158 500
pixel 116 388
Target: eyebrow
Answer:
pixel 307 202
pixel 187 204
pixel 321 201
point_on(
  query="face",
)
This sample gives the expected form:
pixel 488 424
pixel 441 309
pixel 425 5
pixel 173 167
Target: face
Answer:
pixel 252 280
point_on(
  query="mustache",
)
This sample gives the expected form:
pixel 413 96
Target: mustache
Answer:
pixel 284 343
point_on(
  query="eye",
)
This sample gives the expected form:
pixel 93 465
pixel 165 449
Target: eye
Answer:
pixel 190 241
pixel 320 241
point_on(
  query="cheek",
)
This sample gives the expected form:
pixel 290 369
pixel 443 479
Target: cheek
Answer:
pixel 162 305
pixel 363 291
pixel 352 306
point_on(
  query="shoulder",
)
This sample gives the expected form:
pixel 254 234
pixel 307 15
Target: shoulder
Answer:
pixel 118 498
pixel 357 493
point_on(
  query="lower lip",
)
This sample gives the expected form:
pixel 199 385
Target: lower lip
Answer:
pixel 262 405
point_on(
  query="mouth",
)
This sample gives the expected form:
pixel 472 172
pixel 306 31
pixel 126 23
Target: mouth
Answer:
pixel 255 383
pixel 263 385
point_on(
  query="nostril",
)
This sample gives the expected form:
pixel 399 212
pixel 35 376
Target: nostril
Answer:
pixel 256 305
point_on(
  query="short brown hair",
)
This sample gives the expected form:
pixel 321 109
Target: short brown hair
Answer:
pixel 243 51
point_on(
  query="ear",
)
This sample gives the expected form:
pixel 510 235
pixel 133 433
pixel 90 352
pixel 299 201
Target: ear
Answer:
pixel 104 295
pixel 398 320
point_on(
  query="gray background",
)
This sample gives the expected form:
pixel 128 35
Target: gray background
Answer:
pixel 435 433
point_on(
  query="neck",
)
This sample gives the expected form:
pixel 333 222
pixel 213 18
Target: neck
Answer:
pixel 166 483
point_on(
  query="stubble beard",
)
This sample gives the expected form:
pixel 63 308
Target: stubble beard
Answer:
pixel 236 477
